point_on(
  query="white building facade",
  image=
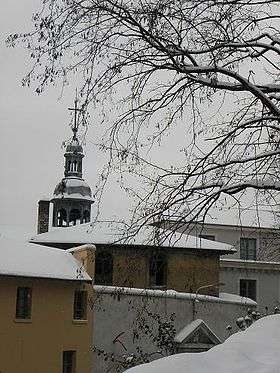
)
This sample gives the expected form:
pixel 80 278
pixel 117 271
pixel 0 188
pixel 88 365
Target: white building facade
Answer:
pixel 253 271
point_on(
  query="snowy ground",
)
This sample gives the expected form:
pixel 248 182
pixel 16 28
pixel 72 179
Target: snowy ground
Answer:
pixel 254 350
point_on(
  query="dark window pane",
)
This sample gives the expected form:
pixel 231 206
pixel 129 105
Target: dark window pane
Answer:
pixel 104 269
pixel 208 237
pixel 248 289
pixel 248 248
pixel 158 268
pixel 80 305
pixel 24 299
pixel 69 362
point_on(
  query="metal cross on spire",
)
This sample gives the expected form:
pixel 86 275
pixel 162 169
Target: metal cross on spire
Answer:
pixel 76 110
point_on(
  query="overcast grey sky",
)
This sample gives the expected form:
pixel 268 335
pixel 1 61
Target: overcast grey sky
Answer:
pixel 32 129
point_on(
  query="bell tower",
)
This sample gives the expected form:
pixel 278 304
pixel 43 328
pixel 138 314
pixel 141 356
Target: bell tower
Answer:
pixel 72 197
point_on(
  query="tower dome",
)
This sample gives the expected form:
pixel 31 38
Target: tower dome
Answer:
pixel 72 188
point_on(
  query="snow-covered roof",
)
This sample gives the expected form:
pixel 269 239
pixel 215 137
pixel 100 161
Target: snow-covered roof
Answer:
pixel 102 233
pixel 254 350
pixel 20 258
pixel 191 328
pixel 252 227
pixel 16 232
pixel 248 219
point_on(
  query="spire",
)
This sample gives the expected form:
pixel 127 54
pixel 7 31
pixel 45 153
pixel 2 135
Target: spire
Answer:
pixel 74 151
pixel 76 110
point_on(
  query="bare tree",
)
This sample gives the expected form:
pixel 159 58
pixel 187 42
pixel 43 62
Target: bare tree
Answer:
pixel 167 60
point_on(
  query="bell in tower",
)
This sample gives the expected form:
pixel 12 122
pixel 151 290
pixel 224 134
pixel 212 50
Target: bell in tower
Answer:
pixel 72 197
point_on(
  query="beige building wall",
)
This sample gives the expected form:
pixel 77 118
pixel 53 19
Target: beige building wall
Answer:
pixel 187 273
pixel 37 345
pixel 131 268
pixel 186 270
pixel 85 254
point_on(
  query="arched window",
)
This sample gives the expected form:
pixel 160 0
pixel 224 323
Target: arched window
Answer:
pixel 86 216
pixel 74 166
pixel 75 217
pixel 104 268
pixel 61 218
pixel 158 270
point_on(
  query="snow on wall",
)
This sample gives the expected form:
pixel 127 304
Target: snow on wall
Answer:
pixel 223 298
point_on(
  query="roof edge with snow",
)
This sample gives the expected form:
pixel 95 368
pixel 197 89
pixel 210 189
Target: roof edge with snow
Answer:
pixel 223 298
pixel 89 233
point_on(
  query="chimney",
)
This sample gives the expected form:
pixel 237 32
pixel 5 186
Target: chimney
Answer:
pixel 43 216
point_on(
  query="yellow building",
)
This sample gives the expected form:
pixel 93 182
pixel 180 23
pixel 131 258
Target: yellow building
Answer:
pixel 178 262
pixel 45 318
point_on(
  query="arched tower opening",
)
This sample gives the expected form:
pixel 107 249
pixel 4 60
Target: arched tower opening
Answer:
pixel 75 217
pixel 61 218
pixel 86 216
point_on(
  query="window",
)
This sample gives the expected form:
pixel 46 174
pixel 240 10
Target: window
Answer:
pixel 69 362
pixel 24 299
pixel 248 289
pixel 104 269
pixel 158 270
pixel 248 248
pixel 80 305
pixel 208 237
